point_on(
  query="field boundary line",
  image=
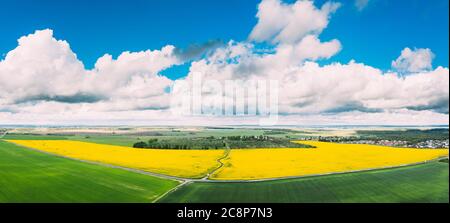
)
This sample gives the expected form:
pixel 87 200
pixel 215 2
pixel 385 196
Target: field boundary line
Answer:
pixel 172 190
pixel 4 134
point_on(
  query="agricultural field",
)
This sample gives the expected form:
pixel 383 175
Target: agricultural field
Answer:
pixel 31 176
pixel 119 140
pixel 248 165
pixel 180 163
pixel 420 183
pixel 244 164
pixel 129 136
pixel 32 137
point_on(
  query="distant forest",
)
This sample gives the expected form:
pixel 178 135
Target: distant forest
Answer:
pixel 212 142
pixel 410 135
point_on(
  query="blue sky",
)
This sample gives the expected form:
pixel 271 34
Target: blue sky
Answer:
pixel 336 62
pixel 374 36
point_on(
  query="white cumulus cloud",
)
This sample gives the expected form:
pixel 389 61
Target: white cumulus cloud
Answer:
pixel 44 72
pixel 289 23
pixel 415 60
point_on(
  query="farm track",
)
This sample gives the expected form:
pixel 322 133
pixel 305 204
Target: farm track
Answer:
pixel 204 179
pixel 171 191
pixel 221 164
pixel 3 135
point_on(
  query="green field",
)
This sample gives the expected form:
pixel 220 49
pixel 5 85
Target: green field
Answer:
pixel 33 137
pixel 206 139
pixel 118 140
pixel 30 176
pixel 421 183
pixel 109 140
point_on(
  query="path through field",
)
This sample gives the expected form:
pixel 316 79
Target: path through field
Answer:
pixel 204 179
pixel 225 155
pixel 3 135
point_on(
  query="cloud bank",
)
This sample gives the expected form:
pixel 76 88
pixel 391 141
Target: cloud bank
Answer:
pixel 43 82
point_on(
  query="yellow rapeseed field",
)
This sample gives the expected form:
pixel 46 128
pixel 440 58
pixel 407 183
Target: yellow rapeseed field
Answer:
pixel 182 163
pixel 250 164
pixel 242 164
